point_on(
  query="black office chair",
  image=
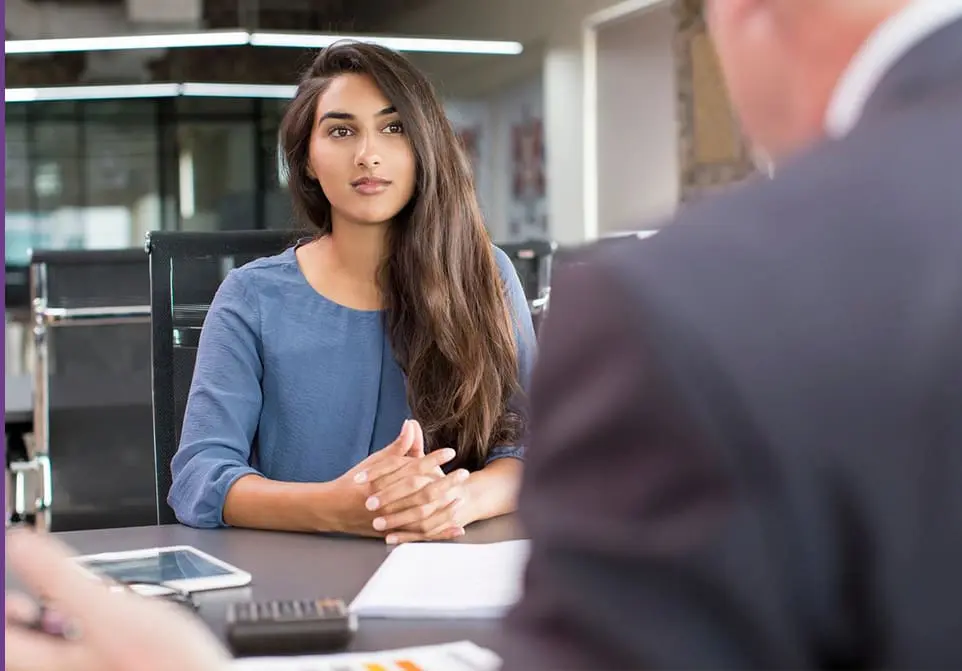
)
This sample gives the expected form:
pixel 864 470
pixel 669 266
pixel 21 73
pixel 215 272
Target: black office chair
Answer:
pixel 186 270
pixel 91 463
pixel 532 260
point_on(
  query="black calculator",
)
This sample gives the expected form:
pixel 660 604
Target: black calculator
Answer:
pixel 289 627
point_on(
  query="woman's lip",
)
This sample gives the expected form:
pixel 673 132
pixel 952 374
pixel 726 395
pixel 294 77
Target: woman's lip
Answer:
pixel 371 188
pixel 371 181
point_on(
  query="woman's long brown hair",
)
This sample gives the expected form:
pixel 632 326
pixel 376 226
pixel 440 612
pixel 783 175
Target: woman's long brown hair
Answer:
pixel 445 311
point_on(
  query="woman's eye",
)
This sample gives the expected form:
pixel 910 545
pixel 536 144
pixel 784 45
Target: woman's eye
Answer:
pixel 340 131
pixel 395 127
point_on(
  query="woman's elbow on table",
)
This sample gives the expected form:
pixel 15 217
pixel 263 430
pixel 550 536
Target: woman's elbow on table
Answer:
pixel 199 489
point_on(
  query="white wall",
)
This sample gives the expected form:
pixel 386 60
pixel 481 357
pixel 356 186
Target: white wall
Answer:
pixel 637 138
pixel 496 118
pixel 477 116
pixel 565 131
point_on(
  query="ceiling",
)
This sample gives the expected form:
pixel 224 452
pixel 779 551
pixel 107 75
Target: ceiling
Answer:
pixel 358 15
pixel 320 15
pixel 460 75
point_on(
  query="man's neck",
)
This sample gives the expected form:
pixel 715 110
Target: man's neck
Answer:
pixel 830 52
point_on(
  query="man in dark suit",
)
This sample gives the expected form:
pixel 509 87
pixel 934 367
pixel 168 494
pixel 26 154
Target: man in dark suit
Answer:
pixel 747 430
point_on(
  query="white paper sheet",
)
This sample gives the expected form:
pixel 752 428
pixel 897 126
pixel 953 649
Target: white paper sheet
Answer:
pixel 446 580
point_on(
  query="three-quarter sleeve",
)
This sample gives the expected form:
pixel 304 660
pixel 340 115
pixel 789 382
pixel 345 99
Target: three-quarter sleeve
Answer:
pixel 223 408
pixel 525 340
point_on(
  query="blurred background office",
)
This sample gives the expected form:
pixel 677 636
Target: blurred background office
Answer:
pixel 593 118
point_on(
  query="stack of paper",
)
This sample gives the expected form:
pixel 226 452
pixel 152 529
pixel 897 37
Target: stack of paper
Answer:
pixel 462 656
pixel 446 580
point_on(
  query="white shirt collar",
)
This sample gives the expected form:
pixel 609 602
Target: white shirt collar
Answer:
pixel 884 48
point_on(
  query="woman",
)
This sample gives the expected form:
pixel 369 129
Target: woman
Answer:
pixel 400 308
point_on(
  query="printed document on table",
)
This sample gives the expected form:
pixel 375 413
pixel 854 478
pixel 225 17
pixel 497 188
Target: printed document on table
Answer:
pixel 461 656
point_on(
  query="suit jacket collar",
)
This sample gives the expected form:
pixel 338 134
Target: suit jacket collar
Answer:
pixel 930 67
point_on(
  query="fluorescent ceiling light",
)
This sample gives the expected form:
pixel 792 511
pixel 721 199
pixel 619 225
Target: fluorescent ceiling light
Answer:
pixel 238 38
pixel 111 92
pixel 238 90
pixel 431 44
pixel 120 91
pixel 121 42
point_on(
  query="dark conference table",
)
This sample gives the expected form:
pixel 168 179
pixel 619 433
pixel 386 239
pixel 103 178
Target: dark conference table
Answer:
pixel 287 566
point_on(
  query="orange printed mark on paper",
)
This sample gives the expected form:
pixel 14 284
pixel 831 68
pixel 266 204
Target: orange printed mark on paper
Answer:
pixel 405 665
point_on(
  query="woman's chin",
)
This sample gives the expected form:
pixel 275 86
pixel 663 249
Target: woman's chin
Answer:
pixel 378 217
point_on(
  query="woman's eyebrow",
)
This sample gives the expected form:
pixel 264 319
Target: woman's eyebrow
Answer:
pixel 347 116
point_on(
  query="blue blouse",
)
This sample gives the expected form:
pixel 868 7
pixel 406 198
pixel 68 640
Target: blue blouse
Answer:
pixel 316 382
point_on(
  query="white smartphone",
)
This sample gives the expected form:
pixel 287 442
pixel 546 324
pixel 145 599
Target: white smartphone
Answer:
pixel 152 571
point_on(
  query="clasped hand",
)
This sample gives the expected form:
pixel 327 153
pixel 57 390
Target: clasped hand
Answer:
pixel 410 496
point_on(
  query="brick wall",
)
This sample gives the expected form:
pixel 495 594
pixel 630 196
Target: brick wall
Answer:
pixel 713 152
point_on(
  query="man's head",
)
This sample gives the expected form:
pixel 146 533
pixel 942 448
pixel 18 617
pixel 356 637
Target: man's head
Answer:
pixel 783 58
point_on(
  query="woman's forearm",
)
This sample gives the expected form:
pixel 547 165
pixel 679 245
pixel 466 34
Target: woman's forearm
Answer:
pixel 493 490
pixel 255 502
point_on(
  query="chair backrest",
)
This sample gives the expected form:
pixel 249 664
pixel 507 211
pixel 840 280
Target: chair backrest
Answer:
pixel 186 269
pixel 92 402
pixel 563 255
pixel 532 260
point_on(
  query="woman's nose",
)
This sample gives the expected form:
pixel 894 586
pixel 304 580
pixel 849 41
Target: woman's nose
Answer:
pixel 367 155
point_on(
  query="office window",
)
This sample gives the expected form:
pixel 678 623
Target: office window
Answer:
pixel 18 220
pixel 122 198
pixel 276 198
pixel 101 174
pixel 56 175
pixel 216 175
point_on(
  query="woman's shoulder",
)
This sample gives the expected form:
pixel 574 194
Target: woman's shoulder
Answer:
pixel 266 274
pixel 506 267
pixel 273 289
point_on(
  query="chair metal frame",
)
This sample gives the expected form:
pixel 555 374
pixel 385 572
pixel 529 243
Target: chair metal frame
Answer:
pixel 46 317
pixel 543 251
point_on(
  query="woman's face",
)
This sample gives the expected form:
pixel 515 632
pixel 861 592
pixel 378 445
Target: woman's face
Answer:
pixel 359 153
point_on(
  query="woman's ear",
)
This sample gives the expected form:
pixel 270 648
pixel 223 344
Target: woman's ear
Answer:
pixel 310 172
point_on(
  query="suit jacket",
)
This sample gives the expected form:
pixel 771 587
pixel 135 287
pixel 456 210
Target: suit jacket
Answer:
pixel 746 442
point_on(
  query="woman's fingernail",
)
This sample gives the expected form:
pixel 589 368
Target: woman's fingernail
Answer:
pixel 462 475
pixel 391 540
pixel 380 524
pixel 361 477
pixel 448 454
pixel 372 503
